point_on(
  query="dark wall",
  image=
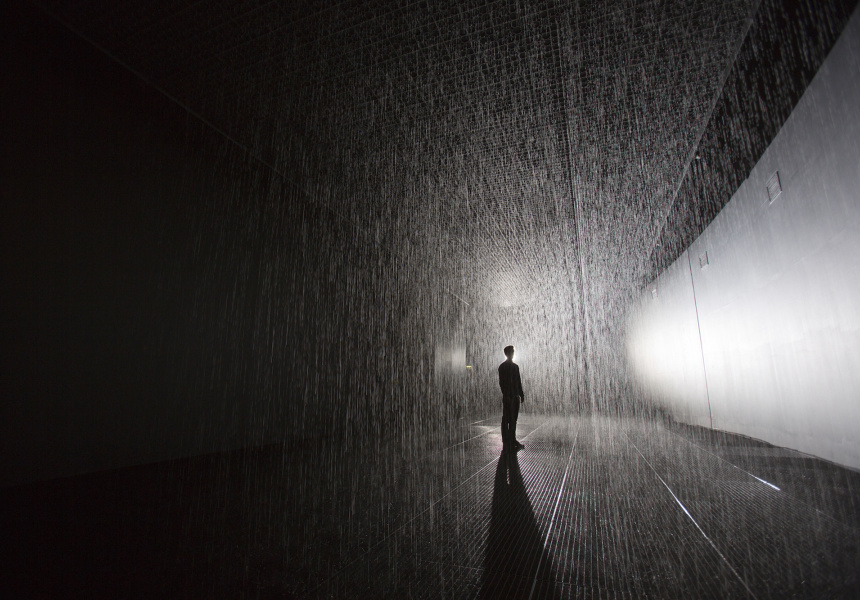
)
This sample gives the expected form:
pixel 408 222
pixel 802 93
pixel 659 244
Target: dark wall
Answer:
pixel 164 293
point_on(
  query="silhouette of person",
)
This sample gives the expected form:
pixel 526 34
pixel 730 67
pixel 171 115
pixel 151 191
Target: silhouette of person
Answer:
pixel 512 396
pixel 516 564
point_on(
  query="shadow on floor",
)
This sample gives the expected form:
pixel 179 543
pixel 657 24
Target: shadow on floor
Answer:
pixel 516 565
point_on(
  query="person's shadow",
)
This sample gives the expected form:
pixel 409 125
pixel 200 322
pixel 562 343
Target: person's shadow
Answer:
pixel 515 562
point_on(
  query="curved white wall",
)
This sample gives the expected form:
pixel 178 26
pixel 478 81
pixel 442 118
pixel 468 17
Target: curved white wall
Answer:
pixel 778 305
pixel 665 349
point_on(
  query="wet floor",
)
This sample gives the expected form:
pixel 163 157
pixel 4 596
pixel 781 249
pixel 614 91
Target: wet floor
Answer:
pixel 591 508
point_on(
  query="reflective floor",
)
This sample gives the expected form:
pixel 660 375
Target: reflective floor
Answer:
pixel 591 508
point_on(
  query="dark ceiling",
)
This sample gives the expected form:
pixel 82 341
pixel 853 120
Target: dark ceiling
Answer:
pixel 530 144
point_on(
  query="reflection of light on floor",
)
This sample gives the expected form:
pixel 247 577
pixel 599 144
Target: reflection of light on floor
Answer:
pixel 625 507
pixel 614 500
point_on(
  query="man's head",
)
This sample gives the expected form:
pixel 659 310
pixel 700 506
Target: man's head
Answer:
pixel 509 352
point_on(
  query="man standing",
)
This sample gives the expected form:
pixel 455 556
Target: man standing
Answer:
pixel 512 396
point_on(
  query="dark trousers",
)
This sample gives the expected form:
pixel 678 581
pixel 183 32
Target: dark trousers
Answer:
pixel 510 411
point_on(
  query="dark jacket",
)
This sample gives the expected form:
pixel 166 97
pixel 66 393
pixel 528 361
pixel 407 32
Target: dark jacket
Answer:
pixel 509 379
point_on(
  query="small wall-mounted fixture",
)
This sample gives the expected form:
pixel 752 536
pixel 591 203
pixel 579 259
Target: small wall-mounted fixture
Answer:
pixel 703 260
pixel 774 188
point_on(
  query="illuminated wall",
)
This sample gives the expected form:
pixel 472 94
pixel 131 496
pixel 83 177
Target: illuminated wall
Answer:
pixel 759 321
pixel 666 349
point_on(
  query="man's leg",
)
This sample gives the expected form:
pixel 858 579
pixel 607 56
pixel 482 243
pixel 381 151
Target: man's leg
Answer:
pixel 506 422
pixel 514 412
